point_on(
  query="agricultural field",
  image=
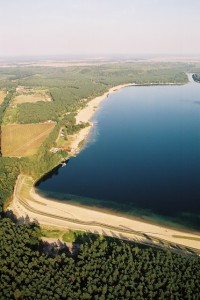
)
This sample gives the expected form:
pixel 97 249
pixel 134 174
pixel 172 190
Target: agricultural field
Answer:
pixel 2 95
pixel 24 139
pixel 30 95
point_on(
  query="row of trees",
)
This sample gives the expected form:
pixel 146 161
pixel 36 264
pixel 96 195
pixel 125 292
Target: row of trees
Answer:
pixel 9 170
pixel 5 104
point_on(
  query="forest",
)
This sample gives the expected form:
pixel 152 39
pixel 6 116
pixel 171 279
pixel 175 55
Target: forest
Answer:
pixel 68 87
pixel 103 268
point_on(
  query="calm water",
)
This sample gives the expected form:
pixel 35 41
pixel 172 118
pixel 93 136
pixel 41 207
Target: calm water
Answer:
pixel 142 158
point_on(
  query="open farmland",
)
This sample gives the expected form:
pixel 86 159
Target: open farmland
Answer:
pixel 2 95
pixel 31 96
pixel 24 139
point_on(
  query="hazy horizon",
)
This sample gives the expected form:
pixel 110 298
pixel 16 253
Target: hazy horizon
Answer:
pixel 93 28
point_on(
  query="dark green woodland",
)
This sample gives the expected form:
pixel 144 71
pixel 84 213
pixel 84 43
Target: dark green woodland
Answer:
pixel 102 269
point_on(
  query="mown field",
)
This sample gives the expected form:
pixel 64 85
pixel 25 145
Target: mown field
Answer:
pixel 2 95
pixel 24 139
pixel 32 96
pixel 62 235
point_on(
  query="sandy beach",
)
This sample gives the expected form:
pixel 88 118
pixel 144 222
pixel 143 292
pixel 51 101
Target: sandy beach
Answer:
pixel 84 115
pixel 61 214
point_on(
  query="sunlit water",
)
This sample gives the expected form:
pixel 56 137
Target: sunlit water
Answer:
pixel 142 157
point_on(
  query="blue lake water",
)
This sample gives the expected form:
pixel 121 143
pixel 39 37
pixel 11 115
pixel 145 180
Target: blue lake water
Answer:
pixel 142 158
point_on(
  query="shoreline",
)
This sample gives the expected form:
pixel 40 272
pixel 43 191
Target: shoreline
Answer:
pixel 85 114
pixel 54 213
pixel 110 211
pixel 69 216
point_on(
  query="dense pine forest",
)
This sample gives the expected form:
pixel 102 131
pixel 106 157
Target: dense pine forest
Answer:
pixel 103 268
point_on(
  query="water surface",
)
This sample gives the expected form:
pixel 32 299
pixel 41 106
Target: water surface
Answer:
pixel 142 157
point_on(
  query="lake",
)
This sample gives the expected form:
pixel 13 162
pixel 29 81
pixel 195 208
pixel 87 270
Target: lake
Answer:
pixel 142 157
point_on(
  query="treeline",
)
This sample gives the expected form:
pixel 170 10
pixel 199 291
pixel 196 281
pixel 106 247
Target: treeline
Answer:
pixel 196 77
pixel 3 108
pixel 9 167
pixel 69 86
pixel 5 105
pixel 103 269
pixel 9 170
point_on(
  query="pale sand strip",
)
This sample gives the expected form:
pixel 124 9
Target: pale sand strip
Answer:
pixel 84 115
pixel 48 212
pixel 77 138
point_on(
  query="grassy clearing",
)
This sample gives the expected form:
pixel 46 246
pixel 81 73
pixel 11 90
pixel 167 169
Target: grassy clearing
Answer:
pixel 52 233
pixel 61 142
pixel 24 139
pixel 2 96
pixel 31 96
pixel 186 237
pixel 71 235
pixel 64 235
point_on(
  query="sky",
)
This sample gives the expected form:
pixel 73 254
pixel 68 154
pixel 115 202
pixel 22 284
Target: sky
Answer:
pixel 96 27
